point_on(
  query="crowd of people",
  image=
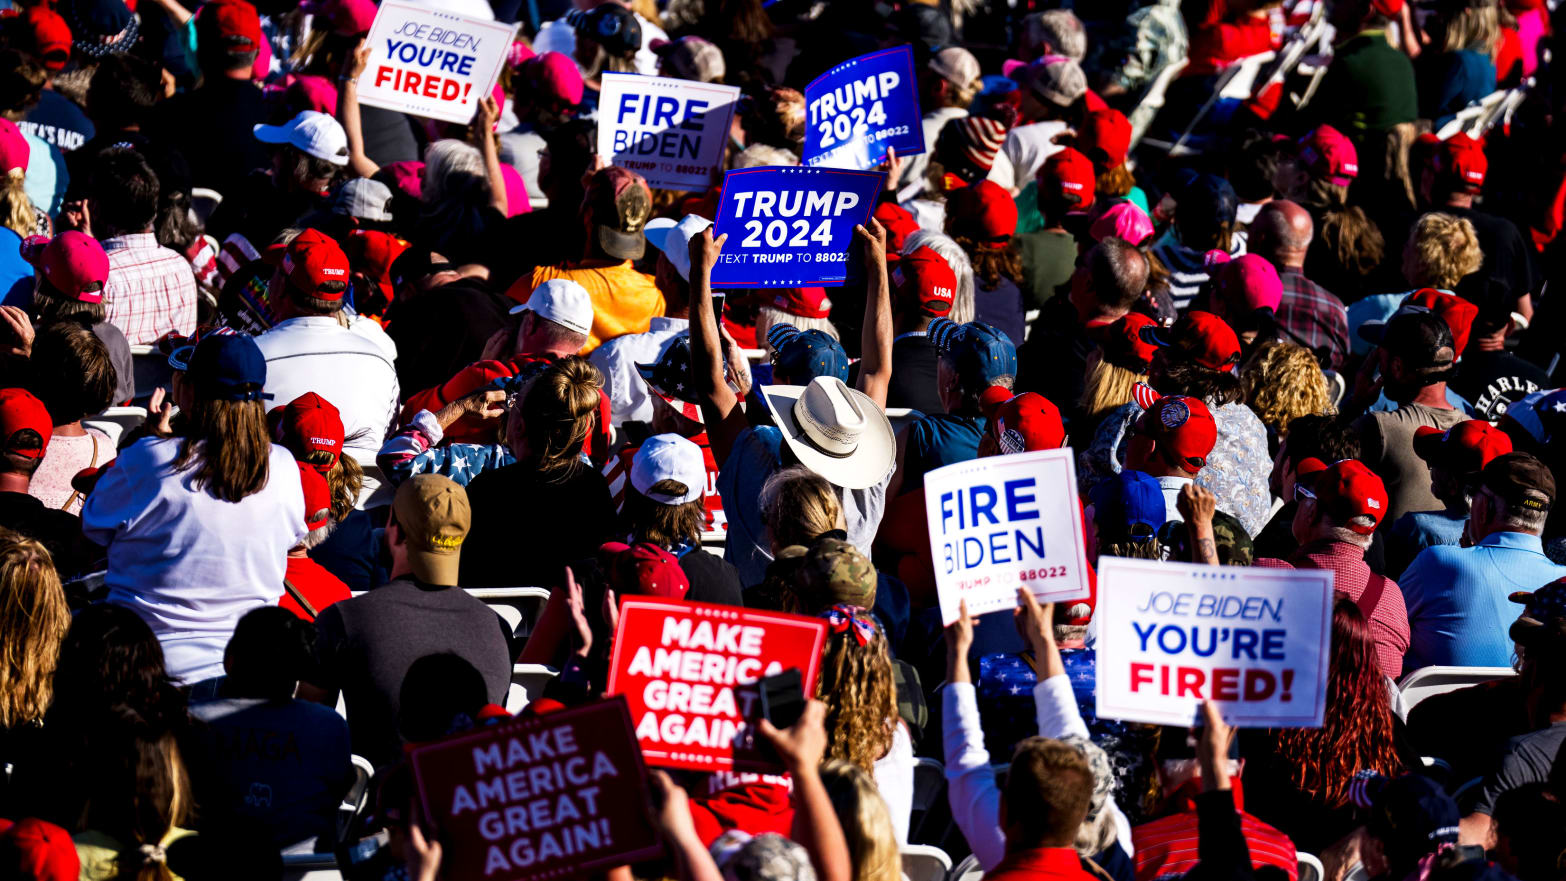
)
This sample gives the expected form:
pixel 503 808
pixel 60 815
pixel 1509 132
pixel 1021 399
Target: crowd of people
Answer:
pixel 386 359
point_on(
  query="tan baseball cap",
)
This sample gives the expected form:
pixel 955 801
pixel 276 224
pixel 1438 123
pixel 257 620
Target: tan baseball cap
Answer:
pixel 433 515
pixel 957 66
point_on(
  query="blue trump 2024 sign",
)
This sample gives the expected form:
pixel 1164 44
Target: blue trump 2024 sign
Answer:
pixel 791 227
pixel 857 110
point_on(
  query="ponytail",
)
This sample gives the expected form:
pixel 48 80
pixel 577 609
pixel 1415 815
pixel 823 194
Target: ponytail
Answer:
pixel 558 413
pixel 344 480
pixel 20 215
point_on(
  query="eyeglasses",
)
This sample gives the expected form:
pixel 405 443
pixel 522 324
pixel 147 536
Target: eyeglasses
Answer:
pixel 1301 492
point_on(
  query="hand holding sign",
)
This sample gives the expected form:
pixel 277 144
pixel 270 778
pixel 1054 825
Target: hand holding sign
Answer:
pixel 792 226
pixel 861 109
pixel 433 63
pixel 670 131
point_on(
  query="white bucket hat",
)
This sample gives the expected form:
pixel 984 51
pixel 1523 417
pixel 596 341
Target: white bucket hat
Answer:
pixel 835 431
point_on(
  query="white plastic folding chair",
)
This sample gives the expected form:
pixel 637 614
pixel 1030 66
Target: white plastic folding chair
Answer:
pixel 921 862
pixel 527 685
pixel 203 202
pixel 115 422
pixel 310 867
pixel 967 870
pixel 1430 681
pixel 899 417
pixel 1310 868
pixel 929 788
pixel 1153 100
pixel 519 606
pixel 1471 118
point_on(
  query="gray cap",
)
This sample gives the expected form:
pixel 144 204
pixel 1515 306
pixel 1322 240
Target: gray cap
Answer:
pixel 957 66
pixel 1057 79
pixel 365 199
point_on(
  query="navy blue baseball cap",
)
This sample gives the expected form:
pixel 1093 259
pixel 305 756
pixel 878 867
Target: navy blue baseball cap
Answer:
pixel 980 352
pixel 803 355
pixel 1206 201
pixel 1413 816
pixel 1132 501
pixel 228 367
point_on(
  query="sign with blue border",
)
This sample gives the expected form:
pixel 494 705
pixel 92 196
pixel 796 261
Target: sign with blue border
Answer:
pixel 791 227
pixel 857 110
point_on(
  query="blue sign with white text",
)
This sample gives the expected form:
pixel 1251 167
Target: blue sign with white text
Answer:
pixel 857 110
pixel 791 227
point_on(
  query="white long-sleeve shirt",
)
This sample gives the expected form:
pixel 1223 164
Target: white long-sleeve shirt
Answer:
pixel 189 563
pixel 970 780
pixel 894 777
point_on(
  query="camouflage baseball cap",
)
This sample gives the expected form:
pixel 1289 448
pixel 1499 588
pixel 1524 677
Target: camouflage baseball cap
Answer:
pixel 1235 547
pixel 833 572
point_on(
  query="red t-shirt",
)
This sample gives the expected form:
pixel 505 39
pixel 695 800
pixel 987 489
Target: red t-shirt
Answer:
pixel 320 587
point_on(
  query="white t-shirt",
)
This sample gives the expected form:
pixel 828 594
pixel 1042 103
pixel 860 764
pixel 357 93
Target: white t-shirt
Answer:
pixel 188 562
pixel 352 369
pixel 1024 152
pixel 1171 487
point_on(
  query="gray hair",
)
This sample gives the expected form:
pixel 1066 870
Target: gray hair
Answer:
pixel 955 257
pixel 450 166
pixel 757 155
pixel 767 316
pixel 1061 29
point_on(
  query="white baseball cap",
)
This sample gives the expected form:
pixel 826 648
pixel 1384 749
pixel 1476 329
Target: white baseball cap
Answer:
pixel 562 301
pixel 312 132
pixel 669 457
pixel 674 239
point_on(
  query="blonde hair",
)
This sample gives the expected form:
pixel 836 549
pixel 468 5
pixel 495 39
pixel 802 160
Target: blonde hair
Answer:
pixel 1282 383
pixel 798 505
pixel 766 316
pixel 20 216
pixel 33 620
pixel 1473 27
pixel 558 412
pixel 344 480
pixel 866 821
pixel 856 684
pixel 1105 387
pixel 1441 250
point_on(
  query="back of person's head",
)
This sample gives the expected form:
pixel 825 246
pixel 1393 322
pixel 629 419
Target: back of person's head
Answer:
pixel 227 442
pixel 866 821
pixel 955 257
pixel 1254 167
pixel 227 37
pixel 22 80
pixel 138 790
pixel 110 656
pixel 453 170
pixel 1528 824
pixel 665 503
pixel 557 414
pixel 798 506
pixel 1441 250
pixel 776 117
pixel 122 93
pixel 33 620
pixel 71 371
pixel 441 693
pixel 25 429
pixel 1282 383
pixel 1048 790
pixel 1357 731
pixel 1351 239
pixel 857 686
pixel 1059 30
pixel 1321 436
pixel 1119 273
pixel 123 191
pixel 1460 24
pixel 270 651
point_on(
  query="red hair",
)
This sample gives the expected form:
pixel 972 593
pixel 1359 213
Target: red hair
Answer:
pixel 1356 733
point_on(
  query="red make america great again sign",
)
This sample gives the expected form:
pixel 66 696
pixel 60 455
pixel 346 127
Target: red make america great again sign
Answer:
pixel 688 672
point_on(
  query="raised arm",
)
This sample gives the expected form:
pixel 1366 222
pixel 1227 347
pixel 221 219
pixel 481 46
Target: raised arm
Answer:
pixel 815 820
pixel 719 404
pixel 484 138
pixel 875 370
pixel 348 111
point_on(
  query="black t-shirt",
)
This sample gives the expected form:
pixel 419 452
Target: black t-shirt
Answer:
pixel 439 332
pixel 214 126
pixel 1054 359
pixel 713 579
pixel 1506 262
pixel 1493 381
pixel 57 531
pixel 388 136
pixel 259 211
pixel 57 120
pixel 366 645
pixel 526 529
pixel 913 385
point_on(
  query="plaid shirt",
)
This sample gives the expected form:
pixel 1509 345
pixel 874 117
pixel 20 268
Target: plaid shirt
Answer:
pixel 1313 316
pixel 151 290
pixel 1378 597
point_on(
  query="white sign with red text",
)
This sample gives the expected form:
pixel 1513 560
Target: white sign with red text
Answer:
pixel 432 63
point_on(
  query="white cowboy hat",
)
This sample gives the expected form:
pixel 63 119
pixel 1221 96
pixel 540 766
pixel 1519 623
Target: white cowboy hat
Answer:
pixel 835 431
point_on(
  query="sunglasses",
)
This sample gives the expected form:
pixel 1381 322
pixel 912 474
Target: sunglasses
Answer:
pixel 1301 492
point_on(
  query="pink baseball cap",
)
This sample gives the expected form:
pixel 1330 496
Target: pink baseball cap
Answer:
pixel 406 177
pixel 13 148
pixel 1327 153
pixel 516 191
pixel 555 75
pixel 1249 282
pixel 311 92
pixel 1123 220
pixel 72 262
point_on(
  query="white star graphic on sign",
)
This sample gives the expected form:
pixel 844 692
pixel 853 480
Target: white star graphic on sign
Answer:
pixel 1560 406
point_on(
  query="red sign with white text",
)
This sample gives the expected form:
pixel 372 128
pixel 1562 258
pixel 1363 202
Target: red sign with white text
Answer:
pixel 688 672
pixel 542 797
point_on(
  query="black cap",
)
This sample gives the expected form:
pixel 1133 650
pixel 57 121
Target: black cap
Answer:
pixel 611 26
pixel 1205 201
pixel 1415 334
pixel 1519 479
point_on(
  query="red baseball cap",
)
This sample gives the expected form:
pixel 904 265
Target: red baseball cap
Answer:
pixel 1105 137
pixel 644 569
pixel 1462 159
pixel 233 22
pixel 312 260
pixel 374 252
pixel 1387 8
pixel 803 302
pixel 51 36
pixel 317 497
pixel 899 223
pixel 1184 427
pixel 1327 153
pixel 1346 489
pixel 1028 422
pixel 311 424
pixel 72 262
pixel 1068 172
pixel 1201 337
pixel 1249 282
pixel 1465 448
pixel 39 850
pixel 19 410
pixel 1122 342
pixel 983 212
pixel 1458 313
pixel 926 278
